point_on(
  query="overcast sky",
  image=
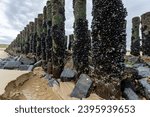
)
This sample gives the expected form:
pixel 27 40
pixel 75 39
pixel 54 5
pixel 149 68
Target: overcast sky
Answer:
pixel 15 15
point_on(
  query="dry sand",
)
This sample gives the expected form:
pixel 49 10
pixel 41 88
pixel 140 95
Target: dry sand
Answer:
pixel 3 54
pixel 7 76
pixel 22 85
pixel 32 86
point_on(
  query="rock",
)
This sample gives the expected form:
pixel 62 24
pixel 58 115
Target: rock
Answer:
pixel 16 58
pixel 132 60
pixel 12 65
pixel 138 65
pixel 30 68
pixel 146 87
pixel 128 90
pixel 48 76
pixel 144 72
pixel 67 75
pixel 130 94
pixel 9 59
pixel 1 64
pixel 148 63
pixel 82 88
pixel 53 82
pixel 130 73
pixel 23 67
pixel 129 66
pixel 26 61
pixel 37 64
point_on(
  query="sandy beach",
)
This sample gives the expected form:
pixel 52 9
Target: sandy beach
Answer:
pixel 3 54
pixel 7 76
pixel 23 85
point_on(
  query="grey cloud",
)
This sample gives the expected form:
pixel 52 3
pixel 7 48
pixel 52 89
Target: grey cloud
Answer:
pixel 20 12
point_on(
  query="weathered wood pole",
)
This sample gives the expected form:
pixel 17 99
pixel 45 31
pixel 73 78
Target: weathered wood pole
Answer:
pixel 58 36
pixel 39 32
pixel 34 43
pixel 65 43
pixel 43 37
pixel 108 45
pixel 22 44
pixel 31 36
pixel 135 39
pixel 71 40
pixel 27 39
pixel 82 39
pixel 23 40
pixel 109 37
pixel 17 44
pixel 49 38
pixel 145 20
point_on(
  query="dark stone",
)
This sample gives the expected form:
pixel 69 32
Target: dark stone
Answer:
pixel 130 73
pixel 23 67
pixel 48 76
pixel 26 61
pixel 37 64
pixel 2 63
pixel 146 87
pixel 144 72
pixel 82 88
pixel 67 75
pixel 128 90
pixel 30 68
pixel 138 65
pixel 132 60
pixel 130 94
pixel 12 65
pixel 53 82
pixel 16 58
pixel 148 63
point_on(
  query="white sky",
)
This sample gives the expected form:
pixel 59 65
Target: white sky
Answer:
pixel 15 15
